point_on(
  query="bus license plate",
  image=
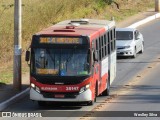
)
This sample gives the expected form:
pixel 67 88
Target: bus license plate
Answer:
pixel 59 96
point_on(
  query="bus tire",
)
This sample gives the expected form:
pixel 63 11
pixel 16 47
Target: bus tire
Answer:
pixel 107 90
pixel 41 103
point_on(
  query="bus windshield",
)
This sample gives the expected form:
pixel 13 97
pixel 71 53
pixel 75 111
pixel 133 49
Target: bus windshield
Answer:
pixel 60 62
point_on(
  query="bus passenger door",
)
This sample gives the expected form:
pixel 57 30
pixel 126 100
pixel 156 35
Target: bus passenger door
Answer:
pixel 96 70
pixel 96 76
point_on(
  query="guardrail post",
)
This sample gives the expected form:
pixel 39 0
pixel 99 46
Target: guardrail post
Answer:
pixel 157 5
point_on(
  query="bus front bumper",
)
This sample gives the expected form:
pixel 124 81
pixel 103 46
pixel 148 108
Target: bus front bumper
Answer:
pixel 83 97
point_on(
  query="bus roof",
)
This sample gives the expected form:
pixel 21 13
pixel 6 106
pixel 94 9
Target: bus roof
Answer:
pixel 78 27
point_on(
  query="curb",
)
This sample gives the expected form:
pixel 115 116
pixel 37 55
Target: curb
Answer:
pixel 19 96
pixel 146 20
pixel 13 99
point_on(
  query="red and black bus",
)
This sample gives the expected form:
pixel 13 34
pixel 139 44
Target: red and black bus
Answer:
pixel 72 61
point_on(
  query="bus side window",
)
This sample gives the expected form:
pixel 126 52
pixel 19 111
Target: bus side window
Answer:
pixel 114 33
pixel 108 34
pixel 105 46
pixel 111 35
pixel 100 49
pixel 114 38
pixel 97 50
pixel 96 44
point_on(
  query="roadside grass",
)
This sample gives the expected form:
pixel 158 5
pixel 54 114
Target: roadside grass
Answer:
pixel 39 14
pixel 6 72
pixel 6 77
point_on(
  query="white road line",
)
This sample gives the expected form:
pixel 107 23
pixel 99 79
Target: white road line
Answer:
pixel 146 20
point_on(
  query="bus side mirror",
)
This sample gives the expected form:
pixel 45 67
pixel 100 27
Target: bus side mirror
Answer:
pixel 95 56
pixel 27 56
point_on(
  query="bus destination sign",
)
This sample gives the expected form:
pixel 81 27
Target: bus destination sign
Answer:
pixel 58 40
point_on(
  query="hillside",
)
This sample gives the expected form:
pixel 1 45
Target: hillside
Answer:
pixel 38 14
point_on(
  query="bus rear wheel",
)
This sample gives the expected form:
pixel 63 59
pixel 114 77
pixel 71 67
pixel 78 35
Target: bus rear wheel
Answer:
pixel 107 90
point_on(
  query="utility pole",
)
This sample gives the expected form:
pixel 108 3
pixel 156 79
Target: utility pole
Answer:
pixel 157 5
pixel 17 45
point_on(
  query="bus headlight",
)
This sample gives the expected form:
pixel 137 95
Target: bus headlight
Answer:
pixel 84 88
pixel 35 87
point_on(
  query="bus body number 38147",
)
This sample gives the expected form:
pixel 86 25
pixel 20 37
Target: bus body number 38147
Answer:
pixel 71 88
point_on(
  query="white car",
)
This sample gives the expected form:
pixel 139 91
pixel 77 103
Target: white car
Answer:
pixel 129 42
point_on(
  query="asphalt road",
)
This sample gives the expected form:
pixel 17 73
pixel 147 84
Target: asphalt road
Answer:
pixel 136 88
